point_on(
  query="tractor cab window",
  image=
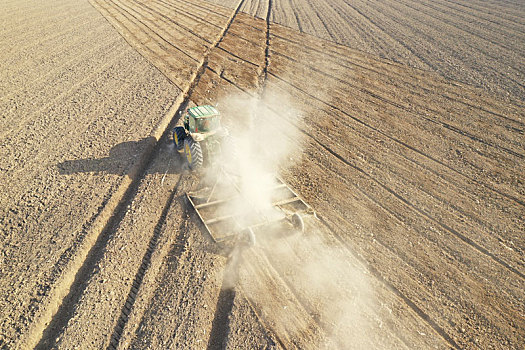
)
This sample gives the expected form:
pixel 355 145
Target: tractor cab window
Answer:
pixel 207 124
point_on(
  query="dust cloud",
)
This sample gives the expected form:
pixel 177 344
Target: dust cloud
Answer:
pixel 307 290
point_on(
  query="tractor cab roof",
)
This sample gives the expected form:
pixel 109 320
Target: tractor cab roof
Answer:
pixel 206 111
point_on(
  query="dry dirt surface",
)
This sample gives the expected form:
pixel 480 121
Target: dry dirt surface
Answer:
pixel 416 179
pixel 476 42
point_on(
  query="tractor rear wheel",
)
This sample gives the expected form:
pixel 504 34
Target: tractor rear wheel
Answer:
pixel 179 134
pixel 193 152
pixel 297 222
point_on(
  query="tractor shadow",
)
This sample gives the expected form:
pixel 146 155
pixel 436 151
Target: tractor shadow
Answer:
pixel 123 156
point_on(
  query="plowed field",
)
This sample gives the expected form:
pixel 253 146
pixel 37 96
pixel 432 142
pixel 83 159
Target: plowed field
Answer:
pixel 408 144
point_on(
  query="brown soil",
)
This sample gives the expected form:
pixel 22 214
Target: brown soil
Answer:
pixel 476 42
pixel 416 179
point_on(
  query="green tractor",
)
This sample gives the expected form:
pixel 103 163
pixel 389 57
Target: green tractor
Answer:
pixel 201 137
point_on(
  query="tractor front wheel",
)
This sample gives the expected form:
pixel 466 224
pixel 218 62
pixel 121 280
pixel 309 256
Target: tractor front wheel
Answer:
pixel 193 152
pixel 179 134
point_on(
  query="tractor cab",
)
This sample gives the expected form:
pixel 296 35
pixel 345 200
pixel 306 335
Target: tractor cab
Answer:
pixel 201 137
pixel 202 120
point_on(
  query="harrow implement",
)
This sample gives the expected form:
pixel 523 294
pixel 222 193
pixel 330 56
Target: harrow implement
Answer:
pixel 230 212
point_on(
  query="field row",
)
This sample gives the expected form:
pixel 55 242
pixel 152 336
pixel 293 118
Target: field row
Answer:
pixel 475 43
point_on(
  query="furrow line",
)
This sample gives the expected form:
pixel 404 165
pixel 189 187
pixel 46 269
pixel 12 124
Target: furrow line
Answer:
pixel 16 13
pixel 81 57
pixel 190 15
pixel 424 315
pixel 144 266
pixel 115 205
pixel 421 212
pixel 408 47
pixel 271 334
pixel 95 238
pixel 404 144
pixel 305 304
pixel 28 38
pixel 463 28
pixel 412 305
pixel 15 132
pixel 483 10
pixel 456 233
pixel 393 103
pixel 314 324
pixel 171 22
pixel 337 58
pixel 467 240
pixel 127 31
pixel 31 64
pixel 501 27
pixel 238 57
pixel 226 297
pixel 441 46
pixel 221 321
pixel 423 189
pixel 207 8
pixel 153 34
pixel 417 25
pixel 264 78
pixel 382 45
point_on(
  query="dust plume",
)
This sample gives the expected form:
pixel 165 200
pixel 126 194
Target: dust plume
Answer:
pixel 306 288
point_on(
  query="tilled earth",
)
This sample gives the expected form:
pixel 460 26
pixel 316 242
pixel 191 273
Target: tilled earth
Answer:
pixel 416 180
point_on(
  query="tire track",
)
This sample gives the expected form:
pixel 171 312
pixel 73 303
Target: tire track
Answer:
pixel 69 286
pixel 223 309
pixel 119 212
pixel 144 266
pixel 271 334
pixel 95 238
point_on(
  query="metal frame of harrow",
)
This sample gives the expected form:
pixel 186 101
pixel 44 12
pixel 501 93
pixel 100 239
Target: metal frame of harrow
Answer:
pixel 222 237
